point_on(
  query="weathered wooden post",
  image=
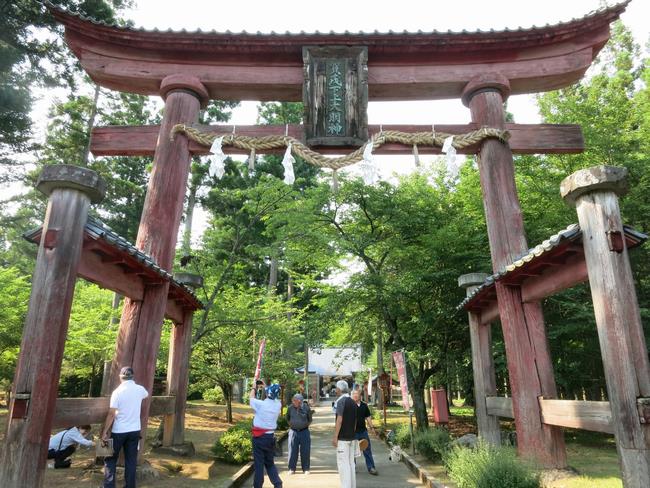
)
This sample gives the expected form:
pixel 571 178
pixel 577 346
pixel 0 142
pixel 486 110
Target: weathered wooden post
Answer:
pixel 138 338
pixel 594 192
pixel 529 362
pixel 485 383
pixel 178 370
pixel 71 189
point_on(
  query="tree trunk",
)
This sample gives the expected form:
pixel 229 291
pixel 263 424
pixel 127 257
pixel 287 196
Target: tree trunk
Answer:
pixel 273 275
pixel 115 319
pixel 380 366
pixel 416 388
pixel 189 215
pixel 91 123
pixel 90 383
pixel 227 394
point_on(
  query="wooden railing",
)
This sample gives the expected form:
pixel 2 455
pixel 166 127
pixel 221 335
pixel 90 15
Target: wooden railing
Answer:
pixel 79 411
pixel 575 414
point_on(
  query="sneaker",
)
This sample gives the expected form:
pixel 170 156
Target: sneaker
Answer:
pixel 290 472
pixel 373 472
pixel 305 472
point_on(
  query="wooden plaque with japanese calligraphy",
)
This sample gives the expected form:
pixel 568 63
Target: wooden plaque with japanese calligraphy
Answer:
pixel 335 95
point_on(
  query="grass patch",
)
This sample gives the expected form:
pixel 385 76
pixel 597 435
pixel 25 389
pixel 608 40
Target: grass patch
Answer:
pixel 463 411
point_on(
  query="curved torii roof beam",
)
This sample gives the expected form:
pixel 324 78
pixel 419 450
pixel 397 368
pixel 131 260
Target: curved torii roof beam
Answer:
pixel 401 65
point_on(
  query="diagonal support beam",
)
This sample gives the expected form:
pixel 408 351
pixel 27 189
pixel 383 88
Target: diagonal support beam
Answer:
pixel 524 139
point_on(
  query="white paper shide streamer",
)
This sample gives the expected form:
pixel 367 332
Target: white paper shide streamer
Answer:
pixel 288 162
pixel 449 149
pixel 369 170
pixel 217 166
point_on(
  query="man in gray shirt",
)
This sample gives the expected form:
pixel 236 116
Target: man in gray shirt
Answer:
pixel 299 416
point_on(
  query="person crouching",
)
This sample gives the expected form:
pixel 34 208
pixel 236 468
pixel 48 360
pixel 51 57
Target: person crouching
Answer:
pixel 265 422
pixel 64 444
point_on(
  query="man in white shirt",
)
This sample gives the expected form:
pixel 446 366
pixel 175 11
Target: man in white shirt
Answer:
pixel 64 444
pixel 264 424
pixel 124 418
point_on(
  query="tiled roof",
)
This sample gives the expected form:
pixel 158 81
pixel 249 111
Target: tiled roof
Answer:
pixel 571 234
pixel 614 10
pixel 97 230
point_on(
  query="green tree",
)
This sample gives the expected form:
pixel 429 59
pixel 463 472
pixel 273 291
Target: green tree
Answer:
pixel 406 236
pixel 14 297
pixel 90 342
pixel 32 54
pixel 229 353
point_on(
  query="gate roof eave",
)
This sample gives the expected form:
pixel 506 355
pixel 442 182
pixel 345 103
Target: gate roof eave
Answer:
pixel 401 65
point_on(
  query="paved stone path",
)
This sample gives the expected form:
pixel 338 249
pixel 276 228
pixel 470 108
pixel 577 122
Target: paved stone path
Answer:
pixel 323 462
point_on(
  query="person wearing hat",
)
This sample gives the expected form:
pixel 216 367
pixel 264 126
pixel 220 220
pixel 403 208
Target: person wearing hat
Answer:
pixel 123 427
pixel 265 422
pixel 299 417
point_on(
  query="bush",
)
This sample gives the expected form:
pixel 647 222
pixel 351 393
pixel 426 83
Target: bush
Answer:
pixel 235 445
pixel 433 444
pixel 245 425
pixel 378 416
pixel 403 436
pixel 488 466
pixel 283 424
pixel 214 395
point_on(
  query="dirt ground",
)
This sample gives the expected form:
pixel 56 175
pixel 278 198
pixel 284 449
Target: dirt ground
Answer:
pixel 204 423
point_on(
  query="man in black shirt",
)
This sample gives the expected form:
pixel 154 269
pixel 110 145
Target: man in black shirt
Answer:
pixel 361 431
pixel 344 435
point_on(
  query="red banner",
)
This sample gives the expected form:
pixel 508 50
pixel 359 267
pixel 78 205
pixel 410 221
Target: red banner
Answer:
pixel 260 357
pixel 398 357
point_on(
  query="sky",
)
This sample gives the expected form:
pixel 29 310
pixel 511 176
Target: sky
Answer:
pixel 338 15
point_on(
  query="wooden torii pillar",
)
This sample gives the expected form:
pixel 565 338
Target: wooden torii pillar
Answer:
pixel 529 362
pixel 485 383
pixel 138 338
pixel 594 192
pixel 178 372
pixel 71 189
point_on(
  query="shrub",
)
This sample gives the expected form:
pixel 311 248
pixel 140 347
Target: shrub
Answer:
pixel 214 395
pixel 245 425
pixel 235 445
pixel 432 443
pixel 378 416
pixel 488 466
pixel 403 436
pixel 283 424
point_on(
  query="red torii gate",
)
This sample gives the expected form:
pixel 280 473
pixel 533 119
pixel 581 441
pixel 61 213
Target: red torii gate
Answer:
pixel 188 69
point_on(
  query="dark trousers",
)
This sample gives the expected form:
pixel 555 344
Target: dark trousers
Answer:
pixel 60 456
pixel 129 442
pixel 263 451
pixel 301 441
pixel 367 454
